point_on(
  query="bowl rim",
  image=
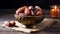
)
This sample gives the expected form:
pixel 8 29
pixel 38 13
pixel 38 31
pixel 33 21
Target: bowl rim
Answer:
pixel 28 16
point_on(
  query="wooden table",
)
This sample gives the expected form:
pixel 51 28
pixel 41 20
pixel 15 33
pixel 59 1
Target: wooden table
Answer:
pixel 8 17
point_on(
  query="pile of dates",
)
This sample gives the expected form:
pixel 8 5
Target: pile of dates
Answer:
pixel 25 11
pixel 29 11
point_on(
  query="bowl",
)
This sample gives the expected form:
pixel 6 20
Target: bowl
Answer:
pixel 29 20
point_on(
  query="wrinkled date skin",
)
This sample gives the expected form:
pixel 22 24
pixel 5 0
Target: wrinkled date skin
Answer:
pixel 22 14
pixel 10 23
pixel 30 8
pixel 39 13
pixel 29 11
pixel 20 10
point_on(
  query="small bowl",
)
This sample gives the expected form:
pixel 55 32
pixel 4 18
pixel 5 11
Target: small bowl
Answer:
pixel 29 20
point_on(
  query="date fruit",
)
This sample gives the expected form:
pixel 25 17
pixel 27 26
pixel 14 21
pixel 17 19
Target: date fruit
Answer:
pixel 22 14
pixel 12 23
pixel 32 13
pixel 9 23
pixel 37 8
pixel 27 12
pixel 30 8
pixel 38 13
pixel 20 10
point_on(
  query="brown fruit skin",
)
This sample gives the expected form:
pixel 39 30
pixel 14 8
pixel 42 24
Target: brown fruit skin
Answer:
pixel 22 14
pixel 20 10
pixel 32 13
pixel 27 12
pixel 37 8
pixel 11 23
pixel 30 8
pixel 38 13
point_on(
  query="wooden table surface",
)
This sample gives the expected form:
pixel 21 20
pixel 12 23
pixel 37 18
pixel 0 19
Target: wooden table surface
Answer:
pixel 8 17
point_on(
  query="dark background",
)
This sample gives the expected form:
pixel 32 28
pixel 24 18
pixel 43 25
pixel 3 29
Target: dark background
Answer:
pixel 45 4
pixel 10 6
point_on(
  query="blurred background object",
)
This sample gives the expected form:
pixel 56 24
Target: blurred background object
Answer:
pixel 55 11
